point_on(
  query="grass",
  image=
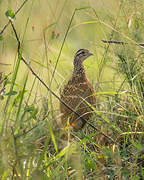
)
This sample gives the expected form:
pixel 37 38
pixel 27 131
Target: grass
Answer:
pixel 32 145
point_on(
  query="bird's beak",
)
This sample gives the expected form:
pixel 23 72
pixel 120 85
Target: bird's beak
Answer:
pixel 90 54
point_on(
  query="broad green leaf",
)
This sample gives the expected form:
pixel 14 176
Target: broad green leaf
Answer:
pixel 10 14
pixel 11 93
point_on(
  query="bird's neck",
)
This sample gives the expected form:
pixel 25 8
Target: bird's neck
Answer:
pixel 79 74
pixel 78 67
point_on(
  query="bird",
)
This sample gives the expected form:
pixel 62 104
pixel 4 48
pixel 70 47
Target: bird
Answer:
pixel 78 94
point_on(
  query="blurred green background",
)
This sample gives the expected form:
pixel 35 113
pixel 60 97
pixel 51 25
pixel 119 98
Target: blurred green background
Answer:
pixel 102 20
pixel 51 19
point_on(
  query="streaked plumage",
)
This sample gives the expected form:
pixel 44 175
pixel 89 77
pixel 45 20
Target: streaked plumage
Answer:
pixel 75 91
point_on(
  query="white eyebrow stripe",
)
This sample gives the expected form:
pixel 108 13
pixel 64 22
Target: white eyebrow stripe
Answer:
pixel 79 52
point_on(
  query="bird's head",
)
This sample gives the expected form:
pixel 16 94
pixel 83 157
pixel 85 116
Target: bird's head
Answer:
pixel 80 56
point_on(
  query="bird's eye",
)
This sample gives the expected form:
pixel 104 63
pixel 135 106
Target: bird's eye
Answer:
pixel 80 52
